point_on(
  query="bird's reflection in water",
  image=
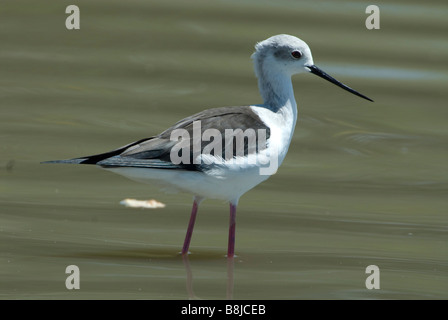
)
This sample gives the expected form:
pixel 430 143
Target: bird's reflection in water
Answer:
pixel 189 280
pixel 230 264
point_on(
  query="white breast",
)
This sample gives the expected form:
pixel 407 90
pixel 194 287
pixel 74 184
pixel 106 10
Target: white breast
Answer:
pixel 281 124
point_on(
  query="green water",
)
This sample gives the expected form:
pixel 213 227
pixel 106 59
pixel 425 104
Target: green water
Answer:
pixel 363 183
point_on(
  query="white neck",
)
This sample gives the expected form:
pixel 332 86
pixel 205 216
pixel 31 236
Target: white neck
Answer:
pixel 277 91
pixel 278 95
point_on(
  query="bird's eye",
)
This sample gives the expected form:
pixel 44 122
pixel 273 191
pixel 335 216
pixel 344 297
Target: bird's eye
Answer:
pixel 296 54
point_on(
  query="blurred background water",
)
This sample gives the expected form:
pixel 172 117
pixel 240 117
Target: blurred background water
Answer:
pixel 363 183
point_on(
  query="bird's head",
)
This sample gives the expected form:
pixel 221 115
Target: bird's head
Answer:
pixel 289 55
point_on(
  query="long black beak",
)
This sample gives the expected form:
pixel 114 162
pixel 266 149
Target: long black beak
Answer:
pixel 318 72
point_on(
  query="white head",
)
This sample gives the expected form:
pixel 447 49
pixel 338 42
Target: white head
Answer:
pixel 284 55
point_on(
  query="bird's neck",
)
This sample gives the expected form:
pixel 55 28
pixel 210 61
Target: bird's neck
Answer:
pixel 277 92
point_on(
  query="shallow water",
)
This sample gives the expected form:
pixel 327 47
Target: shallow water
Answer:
pixel 363 183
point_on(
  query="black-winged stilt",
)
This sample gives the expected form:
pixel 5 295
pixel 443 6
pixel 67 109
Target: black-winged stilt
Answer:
pixel 186 158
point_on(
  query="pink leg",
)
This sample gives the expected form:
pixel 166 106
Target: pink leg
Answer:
pixel 231 246
pixel 194 211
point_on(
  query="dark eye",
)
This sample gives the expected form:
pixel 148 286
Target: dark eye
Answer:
pixel 296 54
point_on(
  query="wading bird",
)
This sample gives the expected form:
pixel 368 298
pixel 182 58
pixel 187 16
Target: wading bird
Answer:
pixel 216 176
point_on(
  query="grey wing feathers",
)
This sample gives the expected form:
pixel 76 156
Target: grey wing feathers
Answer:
pixel 155 152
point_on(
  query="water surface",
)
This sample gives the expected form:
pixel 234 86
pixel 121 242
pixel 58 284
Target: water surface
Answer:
pixel 363 183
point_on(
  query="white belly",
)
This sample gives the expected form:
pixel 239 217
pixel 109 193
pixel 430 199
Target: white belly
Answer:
pixel 229 186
